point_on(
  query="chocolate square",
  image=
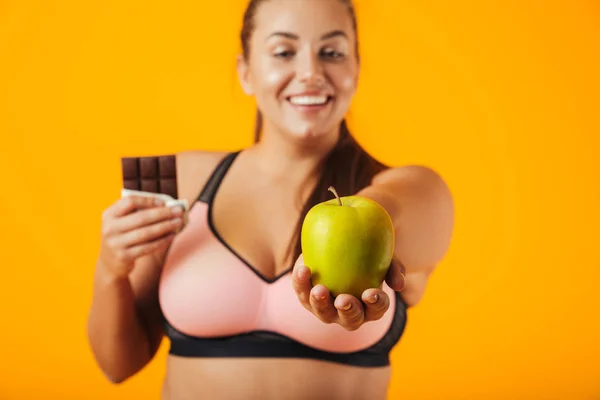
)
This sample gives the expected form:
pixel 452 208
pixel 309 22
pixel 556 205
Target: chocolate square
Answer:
pixel 149 185
pixel 131 184
pixel 169 186
pixel 130 167
pixel 148 167
pixel 166 166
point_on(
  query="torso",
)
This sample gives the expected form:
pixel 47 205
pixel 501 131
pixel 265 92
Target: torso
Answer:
pixel 256 220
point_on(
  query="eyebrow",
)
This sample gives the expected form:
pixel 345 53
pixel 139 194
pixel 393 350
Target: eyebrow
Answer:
pixel 293 36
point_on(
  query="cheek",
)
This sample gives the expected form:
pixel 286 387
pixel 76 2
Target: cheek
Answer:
pixel 345 81
pixel 273 78
pixel 270 79
pixel 348 84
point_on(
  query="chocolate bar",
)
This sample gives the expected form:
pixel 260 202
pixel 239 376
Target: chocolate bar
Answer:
pixel 152 177
pixel 151 174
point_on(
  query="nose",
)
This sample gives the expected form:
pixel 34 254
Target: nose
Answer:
pixel 310 70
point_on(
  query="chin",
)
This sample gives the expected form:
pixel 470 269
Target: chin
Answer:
pixel 307 131
pixel 310 133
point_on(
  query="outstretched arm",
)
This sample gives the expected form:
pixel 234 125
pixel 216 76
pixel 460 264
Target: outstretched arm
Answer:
pixel 422 210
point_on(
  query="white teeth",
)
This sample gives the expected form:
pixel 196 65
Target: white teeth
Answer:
pixel 308 100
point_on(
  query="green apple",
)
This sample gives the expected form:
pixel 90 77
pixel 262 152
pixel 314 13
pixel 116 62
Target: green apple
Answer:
pixel 348 244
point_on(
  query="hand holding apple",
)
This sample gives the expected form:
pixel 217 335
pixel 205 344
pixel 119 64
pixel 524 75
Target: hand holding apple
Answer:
pixel 347 251
pixel 348 244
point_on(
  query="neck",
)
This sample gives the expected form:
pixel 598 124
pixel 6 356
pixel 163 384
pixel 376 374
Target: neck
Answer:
pixel 280 157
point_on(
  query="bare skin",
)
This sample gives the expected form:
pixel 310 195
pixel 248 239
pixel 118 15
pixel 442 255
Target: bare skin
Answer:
pixel 287 379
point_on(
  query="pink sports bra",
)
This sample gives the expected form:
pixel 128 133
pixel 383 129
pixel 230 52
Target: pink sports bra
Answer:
pixel 256 317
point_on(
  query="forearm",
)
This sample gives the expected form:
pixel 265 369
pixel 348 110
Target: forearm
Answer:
pixel 117 336
pixel 416 275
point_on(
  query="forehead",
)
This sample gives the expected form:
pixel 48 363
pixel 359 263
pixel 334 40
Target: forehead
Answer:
pixel 307 18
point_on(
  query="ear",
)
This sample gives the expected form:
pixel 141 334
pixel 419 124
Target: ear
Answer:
pixel 244 75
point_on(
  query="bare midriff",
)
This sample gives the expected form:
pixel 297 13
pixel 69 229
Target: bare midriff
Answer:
pixel 271 379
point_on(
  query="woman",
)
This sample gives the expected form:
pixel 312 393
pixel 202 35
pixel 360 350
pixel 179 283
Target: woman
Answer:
pixel 244 323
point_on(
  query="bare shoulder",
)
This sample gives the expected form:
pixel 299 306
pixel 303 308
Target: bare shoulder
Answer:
pixel 194 167
pixel 417 174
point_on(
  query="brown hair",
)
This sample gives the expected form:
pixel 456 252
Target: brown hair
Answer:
pixel 348 167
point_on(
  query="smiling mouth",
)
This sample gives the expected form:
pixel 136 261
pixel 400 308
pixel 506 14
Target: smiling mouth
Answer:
pixel 310 101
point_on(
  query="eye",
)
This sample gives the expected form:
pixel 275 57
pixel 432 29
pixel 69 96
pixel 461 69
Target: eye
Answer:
pixel 283 54
pixel 332 54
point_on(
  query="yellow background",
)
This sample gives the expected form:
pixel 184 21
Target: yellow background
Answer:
pixel 502 98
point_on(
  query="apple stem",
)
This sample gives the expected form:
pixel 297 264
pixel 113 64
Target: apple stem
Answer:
pixel 332 190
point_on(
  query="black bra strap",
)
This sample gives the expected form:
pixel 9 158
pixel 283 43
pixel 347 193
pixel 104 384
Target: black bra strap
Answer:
pixel 210 188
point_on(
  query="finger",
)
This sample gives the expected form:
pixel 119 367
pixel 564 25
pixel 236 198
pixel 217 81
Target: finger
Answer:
pixel 149 233
pixel 395 277
pixel 145 218
pixel 140 250
pixel 376 302
pixel 321 303
pixel 302 284
pixel 351 313
pixel 129 204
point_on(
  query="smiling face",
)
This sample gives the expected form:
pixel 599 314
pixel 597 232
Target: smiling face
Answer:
pixel 301 65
